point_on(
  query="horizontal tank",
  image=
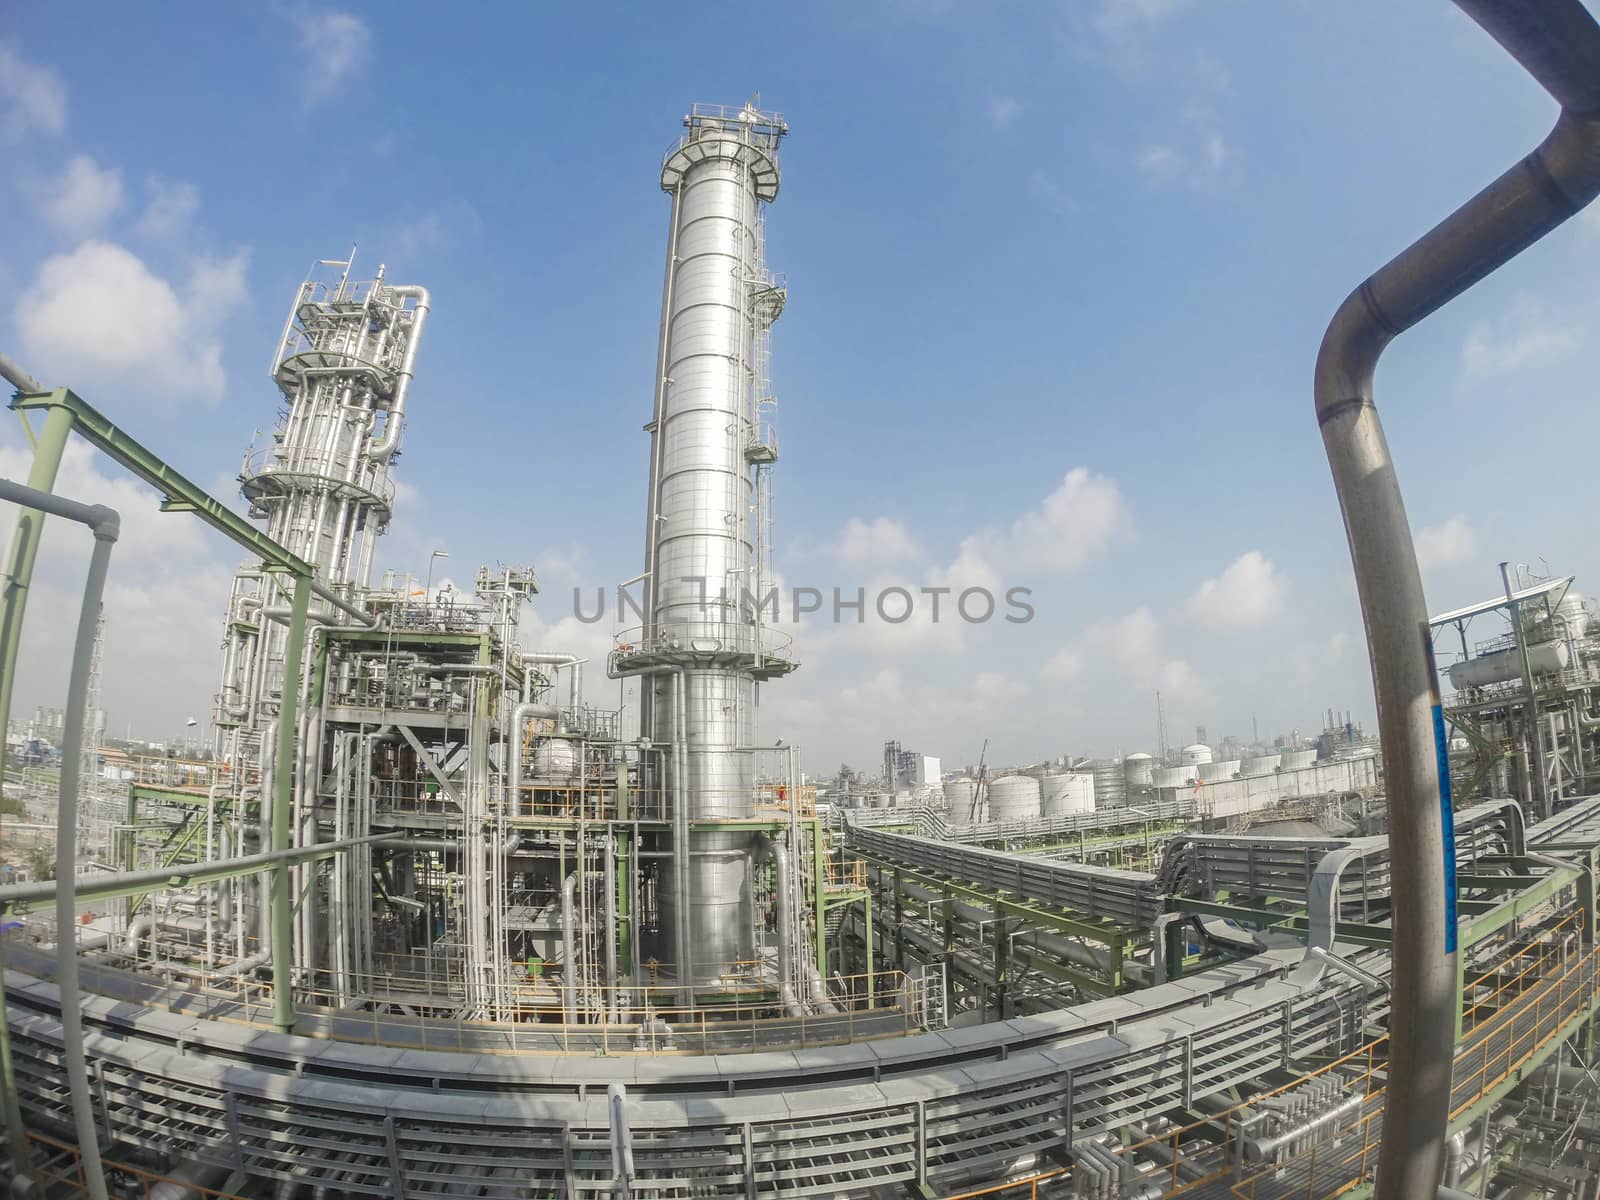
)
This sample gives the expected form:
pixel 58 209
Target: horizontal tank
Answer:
pixel 958 798
pixel 1296 760
pixel 1014 798
pixel 1137 768
pixel 1216 772
pixel 1262 764
pixel 1171 776
pixel 1064 793
pixel 1545 658
pixel 1196 754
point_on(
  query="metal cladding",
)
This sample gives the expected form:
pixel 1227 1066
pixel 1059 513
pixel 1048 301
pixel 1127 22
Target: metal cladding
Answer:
pixel 1066 793
pixel 1262 764
pixel 1110 785
pixel 344 364
pixel 1215 772
pixel 1295 760
pixel 1137 768
pixel 1014 798
pixel 704 647
pixel 959 797
pixel 1502 666
pixel 1162 777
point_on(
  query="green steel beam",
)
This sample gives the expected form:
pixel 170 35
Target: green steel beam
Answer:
pixel 48 448
pixel 178 493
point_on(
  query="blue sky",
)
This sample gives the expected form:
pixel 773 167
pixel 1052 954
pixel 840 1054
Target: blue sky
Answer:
pixel 1057 277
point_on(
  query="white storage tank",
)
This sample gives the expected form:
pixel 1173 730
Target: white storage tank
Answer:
pixel 958 796
pixel 1137 769
pixel 1163 777
pixel 1110 787
pixel 1196 754
pixel 1295 760
pixel 1544 658
pixel 1066 793
pixel 1216 772
pixel 1014 798
pixel 1262 764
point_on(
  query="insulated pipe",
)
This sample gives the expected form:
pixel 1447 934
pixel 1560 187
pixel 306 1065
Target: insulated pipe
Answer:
pixel 574 666
pixel 520 716
pixel 105 525
pixel 1559 43
pixel 611 928
pixel 569 951
pixel 786 990
pixel 383 449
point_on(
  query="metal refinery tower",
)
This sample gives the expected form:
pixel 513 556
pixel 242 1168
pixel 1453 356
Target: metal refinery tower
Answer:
pixel 704 649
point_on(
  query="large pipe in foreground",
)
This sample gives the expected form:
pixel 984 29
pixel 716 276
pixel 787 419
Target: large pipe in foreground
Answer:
pixel 383 449
pixel 1559 44
pixel 105 525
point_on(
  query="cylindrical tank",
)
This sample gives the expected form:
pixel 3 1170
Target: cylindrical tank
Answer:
pixel 1110 788
pixel 1216 772
pixel 1063 793
pixel 554 761
pixel 1196 754
pixel 1264 764
pixel 880 799
pixel 1295 760
pixel 1136 769
pixel 1544 658
pixel 1013 798
pixel 1163 777
pixel 1572 614
pixel 958 797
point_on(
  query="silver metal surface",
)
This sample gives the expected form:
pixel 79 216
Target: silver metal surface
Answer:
pixel 703 552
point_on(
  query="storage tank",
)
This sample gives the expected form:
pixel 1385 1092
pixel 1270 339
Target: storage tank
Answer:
pixel 1063 793
pixel 1013 798
pixel 1264 764
pixel 1110 787
pixel 1216 772
pixel 1544 658
pixel 1571 613
pixel 1295 760
pixel 1196 754
pixel 1137 769
pixel 958 796
pixel 1171 776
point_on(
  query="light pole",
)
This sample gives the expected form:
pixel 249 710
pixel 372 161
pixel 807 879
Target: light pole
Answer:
pixel 427 588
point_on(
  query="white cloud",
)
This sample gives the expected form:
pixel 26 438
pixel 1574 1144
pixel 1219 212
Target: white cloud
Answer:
pixel 1445 544
pixel 31 97
pixel 171 207
pixel 100 314
pixel 1051 194
pixel 1065 663
pixel 1135 640
pixel 1527 337
pixel 1075 523
pixel 1205 160
pixel 880 541
pixel 82 198
pixel 1249 592
pixel 163 605
pixel 337 47
pixel 1003 110
pixel 1119 18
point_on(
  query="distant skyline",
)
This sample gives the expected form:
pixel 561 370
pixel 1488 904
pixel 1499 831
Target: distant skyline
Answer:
pixel 1057 276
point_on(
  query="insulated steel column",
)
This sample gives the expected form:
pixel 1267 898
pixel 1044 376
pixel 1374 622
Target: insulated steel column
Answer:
pixel 701 551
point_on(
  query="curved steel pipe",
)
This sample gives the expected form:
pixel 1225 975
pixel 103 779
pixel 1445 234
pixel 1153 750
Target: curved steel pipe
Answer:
pixel 1559 44
pixel 383 449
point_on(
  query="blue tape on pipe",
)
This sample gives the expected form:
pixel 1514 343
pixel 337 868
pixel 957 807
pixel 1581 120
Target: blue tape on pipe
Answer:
pixel 1448 819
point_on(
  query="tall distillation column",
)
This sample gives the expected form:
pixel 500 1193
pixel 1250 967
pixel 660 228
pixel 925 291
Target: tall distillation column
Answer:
pixel 703 648
pixel 344 365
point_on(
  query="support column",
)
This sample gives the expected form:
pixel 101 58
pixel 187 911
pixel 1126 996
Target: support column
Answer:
pixel 282 799
pixel 24 550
